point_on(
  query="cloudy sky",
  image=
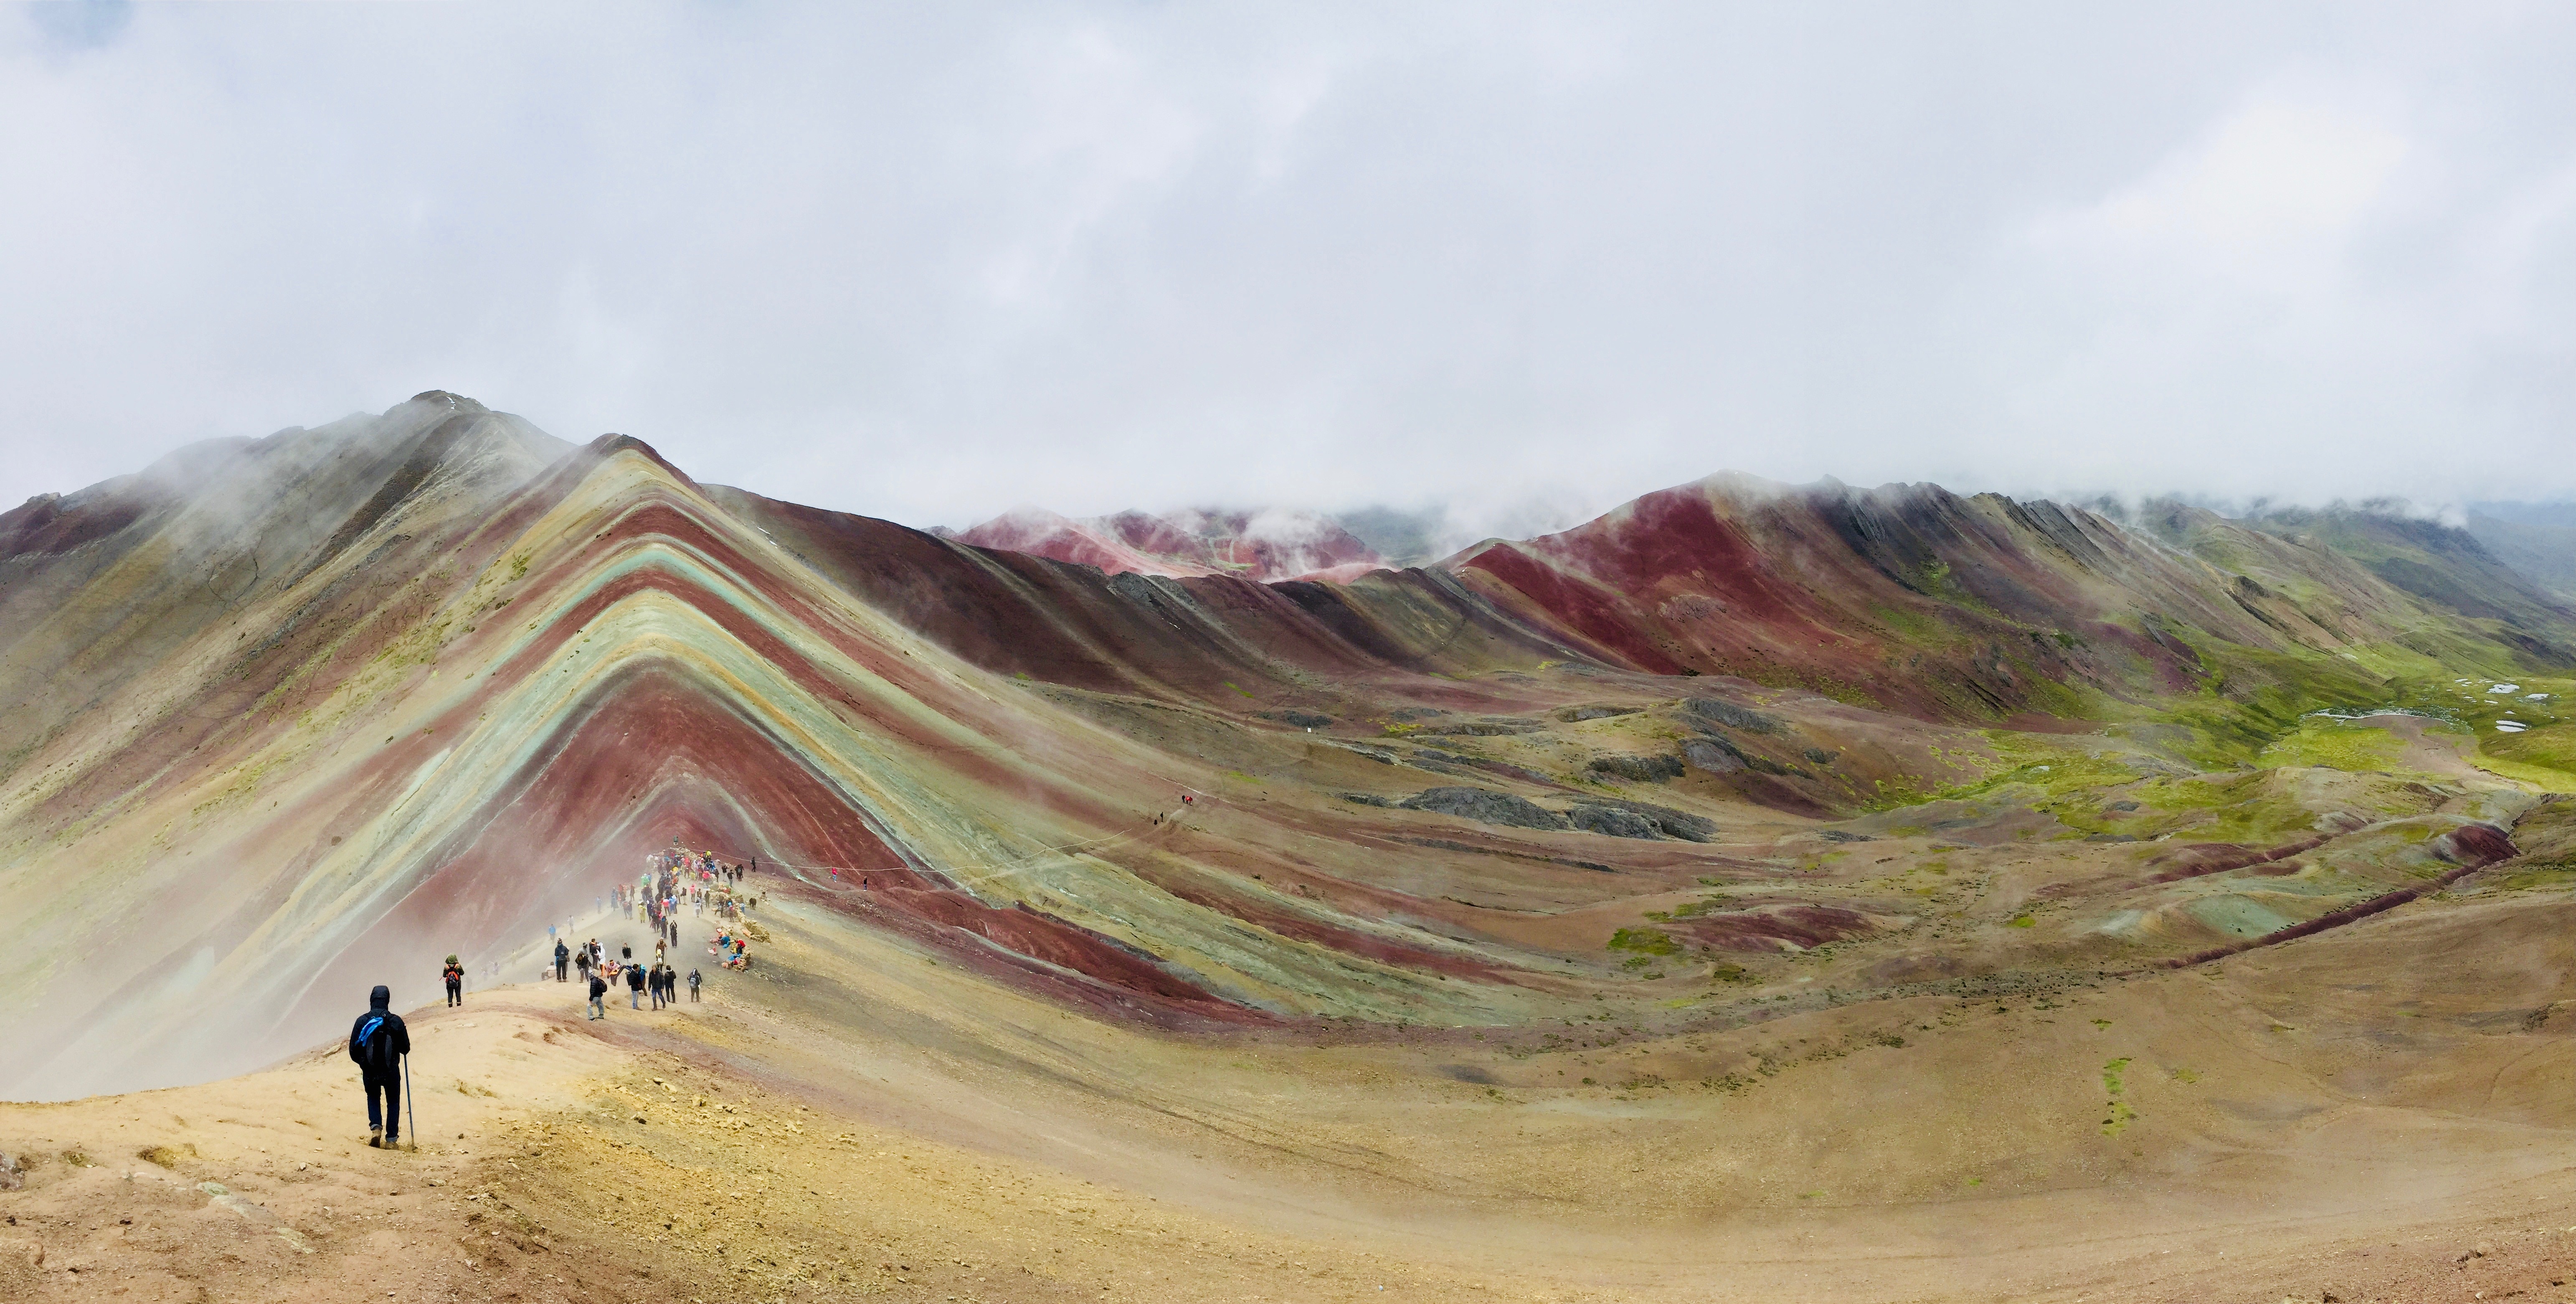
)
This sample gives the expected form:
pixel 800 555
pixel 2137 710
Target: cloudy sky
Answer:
pixel 930 261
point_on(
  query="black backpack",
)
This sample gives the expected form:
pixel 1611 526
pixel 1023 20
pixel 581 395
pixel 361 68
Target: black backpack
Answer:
pixel 368 1043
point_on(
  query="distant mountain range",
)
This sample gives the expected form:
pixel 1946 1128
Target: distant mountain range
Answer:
pixel 2536 540
pixel 1274 544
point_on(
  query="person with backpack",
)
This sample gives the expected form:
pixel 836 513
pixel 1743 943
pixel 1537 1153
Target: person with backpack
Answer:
pixel 563 958
pixel 694 980
pixel 377 1043
pixel 598 994
pixel 454 976
pixel 634 986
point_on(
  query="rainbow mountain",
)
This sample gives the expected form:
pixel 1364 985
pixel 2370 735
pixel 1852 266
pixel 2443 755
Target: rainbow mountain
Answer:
pixel 286 715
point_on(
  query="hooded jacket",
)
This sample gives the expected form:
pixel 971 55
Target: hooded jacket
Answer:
pixel 378 1040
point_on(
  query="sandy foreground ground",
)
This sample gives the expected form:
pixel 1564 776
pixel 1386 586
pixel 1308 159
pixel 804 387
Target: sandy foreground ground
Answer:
pixel 855 1119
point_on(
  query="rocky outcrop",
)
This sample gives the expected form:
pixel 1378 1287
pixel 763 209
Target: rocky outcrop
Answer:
pixel 1637 769
pixel 1732 716
pixel 1611 821
pixel 1486 806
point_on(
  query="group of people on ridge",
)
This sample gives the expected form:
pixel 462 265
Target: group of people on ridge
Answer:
pixel 600 973
pixel 379 1043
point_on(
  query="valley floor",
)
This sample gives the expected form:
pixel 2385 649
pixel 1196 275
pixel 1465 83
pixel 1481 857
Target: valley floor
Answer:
pixel 2347 1116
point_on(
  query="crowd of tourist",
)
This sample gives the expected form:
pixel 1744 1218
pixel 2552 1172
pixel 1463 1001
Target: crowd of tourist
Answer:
pixel 673 882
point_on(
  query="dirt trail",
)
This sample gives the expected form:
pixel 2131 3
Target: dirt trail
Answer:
pixel 561 1159
pixel 2351 1114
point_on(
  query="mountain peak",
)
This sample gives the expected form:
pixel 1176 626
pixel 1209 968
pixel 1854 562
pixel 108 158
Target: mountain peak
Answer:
pixel 452 402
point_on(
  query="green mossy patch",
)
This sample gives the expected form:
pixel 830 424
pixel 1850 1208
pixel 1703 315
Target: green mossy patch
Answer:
pixel 2558 874
pixel 2118 1115
pixel 2546 746
pixel 1646 941
pixel 2539 776
pixel 2336 744
pixel 2237 916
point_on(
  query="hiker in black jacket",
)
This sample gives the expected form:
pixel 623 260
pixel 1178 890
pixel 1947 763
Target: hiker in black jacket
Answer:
pixel 598 994
pixel 377 1043
pixel 634 985
pixel 563 957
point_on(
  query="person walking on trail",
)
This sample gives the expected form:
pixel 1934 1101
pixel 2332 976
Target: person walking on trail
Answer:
pixel 454 976
pixel 377 1043
pixel 634 986
pixel 653 984
pixel 598 994
pixel 563 958
pixel 694 980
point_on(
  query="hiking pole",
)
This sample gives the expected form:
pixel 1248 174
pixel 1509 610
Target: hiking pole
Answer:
pixel 411 1101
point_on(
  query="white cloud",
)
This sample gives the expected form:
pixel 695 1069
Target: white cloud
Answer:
pixel 2286 183
pixel 1523 260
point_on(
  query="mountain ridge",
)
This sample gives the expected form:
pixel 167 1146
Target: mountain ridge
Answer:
pixel 417 683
